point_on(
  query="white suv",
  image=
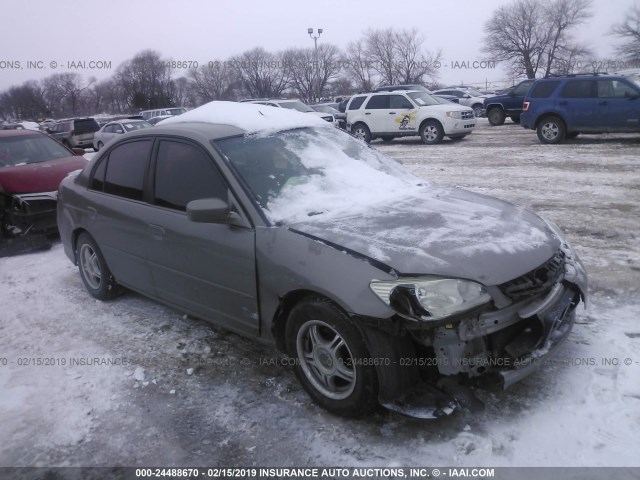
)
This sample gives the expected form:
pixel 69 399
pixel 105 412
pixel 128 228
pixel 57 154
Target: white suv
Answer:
pixel 295 104
pixel 387 115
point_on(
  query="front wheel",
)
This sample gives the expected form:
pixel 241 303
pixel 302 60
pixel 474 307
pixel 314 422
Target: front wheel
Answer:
pixel 551 130
pixel 361 131
pixel 496 116
pixel 431 132
pixel 95 274
pixel 333 363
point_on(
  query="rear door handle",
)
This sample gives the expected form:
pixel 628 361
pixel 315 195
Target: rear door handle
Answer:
pixel 367 113
pixel 157 231
pixel 392 113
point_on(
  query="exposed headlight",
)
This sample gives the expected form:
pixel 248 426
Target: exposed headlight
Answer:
pixel 430 298
pixel 457 115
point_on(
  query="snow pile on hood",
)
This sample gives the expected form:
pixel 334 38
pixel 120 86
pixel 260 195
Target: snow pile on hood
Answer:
pixel 250 117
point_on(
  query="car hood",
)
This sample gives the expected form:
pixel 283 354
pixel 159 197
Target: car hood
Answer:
pixel 38 177
pixel 454 233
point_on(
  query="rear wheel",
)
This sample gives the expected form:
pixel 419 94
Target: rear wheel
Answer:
pixel 95 273
pixel 496 116
pixel 478 109
pixel 333 363
pixel 361 131
pixel 551 130
pixel 431 132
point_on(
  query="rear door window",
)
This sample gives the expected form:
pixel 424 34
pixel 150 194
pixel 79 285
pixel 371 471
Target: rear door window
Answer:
pixel 577 89
pixel 125 170
pixel 378 102
pixel 544 89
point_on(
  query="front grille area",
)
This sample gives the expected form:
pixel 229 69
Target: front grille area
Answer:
pixel 537 281
pixel 467 115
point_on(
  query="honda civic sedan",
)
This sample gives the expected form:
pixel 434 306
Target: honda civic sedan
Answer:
pixel 383 288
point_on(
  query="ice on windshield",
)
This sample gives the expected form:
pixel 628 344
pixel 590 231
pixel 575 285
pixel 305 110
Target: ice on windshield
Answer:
pixel 316 172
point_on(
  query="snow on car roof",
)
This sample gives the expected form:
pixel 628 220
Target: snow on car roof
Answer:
pixel 248 116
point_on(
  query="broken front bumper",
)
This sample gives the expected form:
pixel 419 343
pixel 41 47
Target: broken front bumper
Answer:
pixel 29 213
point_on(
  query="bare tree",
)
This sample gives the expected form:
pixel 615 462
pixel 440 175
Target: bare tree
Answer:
pixel 529 35
pixel 146 81
pixel 262 73
pixel 212 82
pixel 629 31
pixel 358 67
pixel 309 79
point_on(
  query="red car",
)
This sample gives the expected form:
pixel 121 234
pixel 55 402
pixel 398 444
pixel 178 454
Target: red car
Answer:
pixel 32 165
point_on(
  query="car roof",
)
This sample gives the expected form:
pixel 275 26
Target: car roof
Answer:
pixel 212 131
pixel 19 133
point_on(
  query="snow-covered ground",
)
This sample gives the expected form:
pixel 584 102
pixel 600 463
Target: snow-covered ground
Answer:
pixel 131 382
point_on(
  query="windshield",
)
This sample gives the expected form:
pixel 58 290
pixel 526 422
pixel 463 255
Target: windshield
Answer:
pixel 473 92
pixel 423 98
pixel 325 109
pixel 131 126
pixel 301 107
pixel 315 172
pixel 22 150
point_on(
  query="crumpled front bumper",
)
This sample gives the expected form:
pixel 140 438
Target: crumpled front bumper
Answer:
pixel 30 213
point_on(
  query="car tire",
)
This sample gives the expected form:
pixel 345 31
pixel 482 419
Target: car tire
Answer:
pixel 478 109
pixel 95 273
pixel 361 131
pixel 551 130
pixel 332 360
pixel 496 116
pixel 431 132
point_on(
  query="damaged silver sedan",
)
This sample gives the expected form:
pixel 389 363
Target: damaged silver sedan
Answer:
pixel 384 288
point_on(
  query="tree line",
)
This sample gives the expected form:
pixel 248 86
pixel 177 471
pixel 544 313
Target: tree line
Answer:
pixel 532 38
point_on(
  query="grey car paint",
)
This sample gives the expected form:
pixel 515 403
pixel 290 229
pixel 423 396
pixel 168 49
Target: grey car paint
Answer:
pixel 243 274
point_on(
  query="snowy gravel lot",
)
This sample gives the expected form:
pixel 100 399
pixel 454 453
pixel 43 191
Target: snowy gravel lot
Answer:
pixel 179 393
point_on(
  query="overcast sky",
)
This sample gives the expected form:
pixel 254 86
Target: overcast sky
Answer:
pixel 202 30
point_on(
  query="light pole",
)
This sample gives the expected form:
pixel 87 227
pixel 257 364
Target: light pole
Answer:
pixel 315 41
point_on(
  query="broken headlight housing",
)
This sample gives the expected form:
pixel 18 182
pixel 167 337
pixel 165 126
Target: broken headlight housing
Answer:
pixel 430 298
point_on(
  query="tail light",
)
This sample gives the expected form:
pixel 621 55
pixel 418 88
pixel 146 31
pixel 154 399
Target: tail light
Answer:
pixel 525 106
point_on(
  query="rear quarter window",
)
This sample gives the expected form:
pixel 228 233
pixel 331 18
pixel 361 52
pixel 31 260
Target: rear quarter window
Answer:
pixel 88 125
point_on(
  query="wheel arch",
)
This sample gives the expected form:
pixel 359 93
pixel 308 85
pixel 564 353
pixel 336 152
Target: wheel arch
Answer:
pixel 425 120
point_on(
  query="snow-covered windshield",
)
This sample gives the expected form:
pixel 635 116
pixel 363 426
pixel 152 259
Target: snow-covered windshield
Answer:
pixel 423 98
pixel 301 173
pixel 301 107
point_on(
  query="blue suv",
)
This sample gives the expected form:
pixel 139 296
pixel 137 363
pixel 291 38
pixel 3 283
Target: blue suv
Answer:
pixel 564 106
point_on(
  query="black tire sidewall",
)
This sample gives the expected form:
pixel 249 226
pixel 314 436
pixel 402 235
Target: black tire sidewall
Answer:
pixel 367 131
pixel 561 130
pixel 500 116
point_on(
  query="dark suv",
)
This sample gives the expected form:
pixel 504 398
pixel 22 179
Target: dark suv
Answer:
pixel 507 104
pixel 563 107
pixel 75 132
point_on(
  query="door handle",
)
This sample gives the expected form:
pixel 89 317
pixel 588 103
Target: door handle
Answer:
pixel 392 113
pixel 367 113
pixel 157 231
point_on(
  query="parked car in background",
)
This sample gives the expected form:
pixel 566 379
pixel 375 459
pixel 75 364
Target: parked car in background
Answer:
pixel 293 104
pixel 159 118
pixel 32 165
pixel 341 118
pixel 415 87
pixel 507 104
pixel 20 126
pixel 74 132
pixel 113 129
pixel 384 288
pixel 467 96
pixel 156 112
pixel 388 115
pixel 562 107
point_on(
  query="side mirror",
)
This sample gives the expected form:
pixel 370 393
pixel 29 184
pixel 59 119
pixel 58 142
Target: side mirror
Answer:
pixel 78 151
pixel 208 210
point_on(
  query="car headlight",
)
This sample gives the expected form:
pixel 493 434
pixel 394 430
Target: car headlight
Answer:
pixel 430 298
pixel 454 115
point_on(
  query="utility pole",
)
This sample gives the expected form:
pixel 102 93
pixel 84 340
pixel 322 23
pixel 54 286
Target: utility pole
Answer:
pixel 316 93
